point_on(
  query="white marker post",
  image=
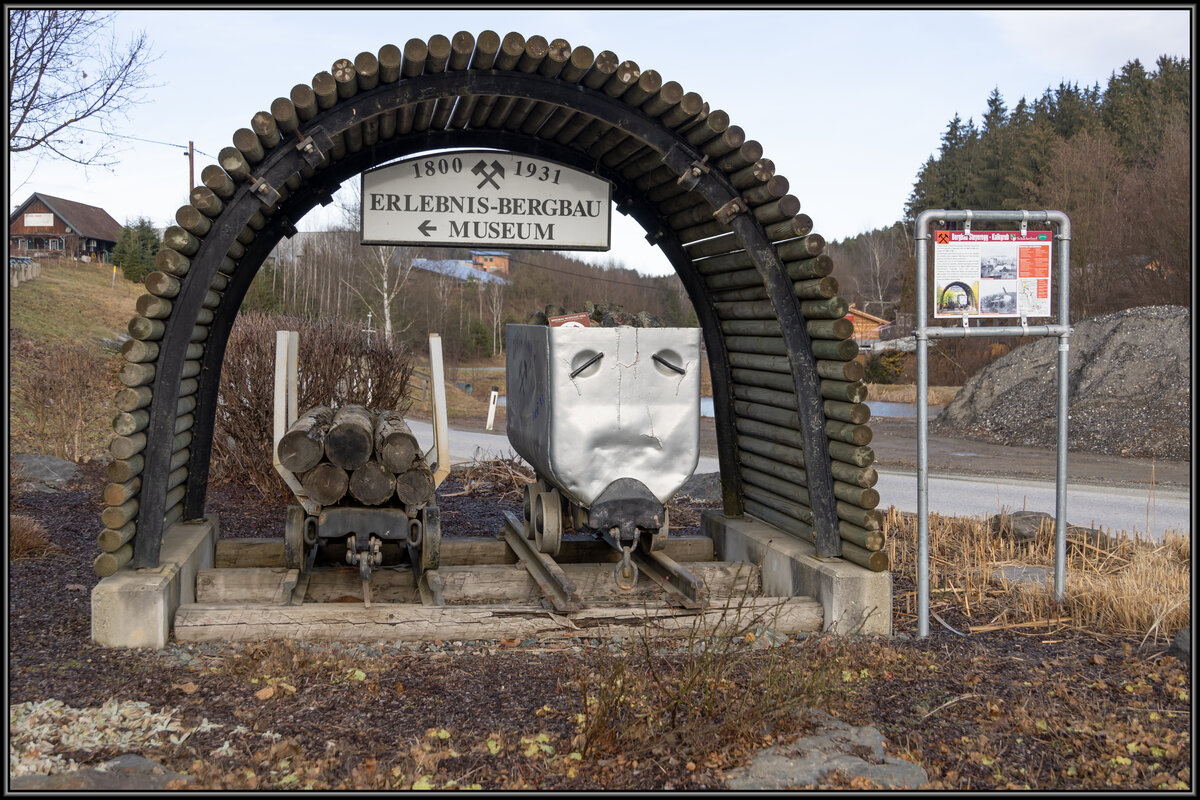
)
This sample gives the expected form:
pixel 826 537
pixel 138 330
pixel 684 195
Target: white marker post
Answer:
pixel 492 407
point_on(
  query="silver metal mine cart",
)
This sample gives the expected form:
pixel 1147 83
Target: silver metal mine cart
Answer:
pixel 609 418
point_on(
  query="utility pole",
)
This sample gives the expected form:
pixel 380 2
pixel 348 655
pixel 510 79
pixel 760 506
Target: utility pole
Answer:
pixel 191 154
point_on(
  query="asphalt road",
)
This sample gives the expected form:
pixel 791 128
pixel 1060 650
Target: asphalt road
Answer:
pixel 969 478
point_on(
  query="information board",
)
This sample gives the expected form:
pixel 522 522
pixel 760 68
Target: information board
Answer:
pixel 991 274
pixel 485 198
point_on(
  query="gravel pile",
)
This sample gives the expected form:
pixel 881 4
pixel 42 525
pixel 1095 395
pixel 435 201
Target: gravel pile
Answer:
pixel 1130 376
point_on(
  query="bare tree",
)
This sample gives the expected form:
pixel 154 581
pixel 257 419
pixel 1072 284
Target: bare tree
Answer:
pixel 387 272
pixel 66 67
pixel 495 293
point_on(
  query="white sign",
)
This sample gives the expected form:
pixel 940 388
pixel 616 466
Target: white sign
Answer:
pixel 991 274
pixel 39 220
pixel 486 198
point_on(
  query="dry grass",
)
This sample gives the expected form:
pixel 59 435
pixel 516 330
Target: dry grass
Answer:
pixel 27 538
pixel 500 478
pixel 907 393
pixel 1127 587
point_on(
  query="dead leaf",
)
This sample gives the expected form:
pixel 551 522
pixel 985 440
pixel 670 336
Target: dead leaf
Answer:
pixel 1096 659
pixel 265 694
pixel 186 688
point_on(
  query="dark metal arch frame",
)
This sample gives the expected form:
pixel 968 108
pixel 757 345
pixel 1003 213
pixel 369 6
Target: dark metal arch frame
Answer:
pixel 285 161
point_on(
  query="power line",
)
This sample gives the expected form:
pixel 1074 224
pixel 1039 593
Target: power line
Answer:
pixel 147 141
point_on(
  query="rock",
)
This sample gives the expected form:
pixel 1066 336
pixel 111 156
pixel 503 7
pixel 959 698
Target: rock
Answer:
pixel 538 318
pixel 1019 573
pixel 1182 646
pixel 42 473
pixel 702 487
pixel 123 773
pixel 553 310
pixel 1037 526
pixel 857 751
pixel 1129 382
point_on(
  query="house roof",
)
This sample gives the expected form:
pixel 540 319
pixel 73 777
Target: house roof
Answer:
pixel 462 270
pixel 854 312
pixel 89 221
pixel 489 253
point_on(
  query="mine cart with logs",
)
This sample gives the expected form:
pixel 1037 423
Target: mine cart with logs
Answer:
pixel 609 418
pixel 369 492
pixel 364 490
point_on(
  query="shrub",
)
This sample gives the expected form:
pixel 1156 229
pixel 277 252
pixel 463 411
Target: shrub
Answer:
pixel 66 393
pixel 336 367
pixel 27 538
pixel 885 366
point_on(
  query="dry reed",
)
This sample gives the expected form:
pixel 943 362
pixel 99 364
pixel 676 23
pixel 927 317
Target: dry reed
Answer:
pixel 1115 585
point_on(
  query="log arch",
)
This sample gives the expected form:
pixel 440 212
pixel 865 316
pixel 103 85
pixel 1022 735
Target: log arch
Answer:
pixel 787 395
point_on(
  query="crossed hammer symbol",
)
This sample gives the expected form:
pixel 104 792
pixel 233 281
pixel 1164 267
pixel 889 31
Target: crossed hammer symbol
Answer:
pixel 482 169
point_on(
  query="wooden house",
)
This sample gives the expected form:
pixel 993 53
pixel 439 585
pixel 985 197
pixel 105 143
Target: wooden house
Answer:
pixel 51 227
pixel 867 327
pixel 494 262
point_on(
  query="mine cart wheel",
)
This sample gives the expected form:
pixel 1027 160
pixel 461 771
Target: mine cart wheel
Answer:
pixel 293 537
pixel 547 522
pixel 527 493
pixel 431 537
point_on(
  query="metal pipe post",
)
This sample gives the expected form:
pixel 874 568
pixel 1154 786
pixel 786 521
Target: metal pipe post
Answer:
pixel 922 240
pixel 1064 349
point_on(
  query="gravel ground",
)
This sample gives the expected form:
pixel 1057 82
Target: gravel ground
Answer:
pixel 1129 382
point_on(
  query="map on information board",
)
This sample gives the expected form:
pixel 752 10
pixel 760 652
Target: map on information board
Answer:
pixel 991 274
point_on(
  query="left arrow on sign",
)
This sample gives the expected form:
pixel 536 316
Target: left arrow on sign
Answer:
pixel 425 227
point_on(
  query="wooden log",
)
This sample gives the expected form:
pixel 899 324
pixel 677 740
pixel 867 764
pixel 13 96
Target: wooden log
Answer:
pixel 271 585
pixel 301 448
pixel 284 113
pixel 351 437
pixel 410 622
pixel 372 484
pixel 876 561
pixel 126 447
pixel 249 145
pixel 116 517
pixel 266 129
pixel 325 483
pixel 395 445
pixel 414 487
pixel 792 456
pixel 110 541
pixel 180 240
pixel 325 88
pixel 753 174
pixel 729 140
pixel 744 156
pixel 127 423
pixel 131 398
pixel 192 220
pixel 484 57
pixel 863 497
pixel 124 470
pixel 304 99
pixel 107 564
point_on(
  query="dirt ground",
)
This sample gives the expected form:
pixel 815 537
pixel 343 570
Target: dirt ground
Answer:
pixel 1049 708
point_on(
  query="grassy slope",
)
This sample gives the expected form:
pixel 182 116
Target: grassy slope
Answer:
pixel 70 303
pixel 73 303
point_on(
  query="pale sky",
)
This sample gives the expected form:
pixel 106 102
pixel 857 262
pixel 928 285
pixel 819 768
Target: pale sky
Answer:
pixel 848 103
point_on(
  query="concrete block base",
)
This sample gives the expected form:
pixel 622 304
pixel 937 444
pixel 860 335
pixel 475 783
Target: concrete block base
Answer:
pixel 855 600
pixel 136 607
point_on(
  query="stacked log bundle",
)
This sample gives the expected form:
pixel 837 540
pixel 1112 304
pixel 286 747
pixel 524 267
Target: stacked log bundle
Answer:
pixel 357 454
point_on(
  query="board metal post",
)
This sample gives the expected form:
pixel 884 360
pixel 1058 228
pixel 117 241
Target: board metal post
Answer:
pixel 923 334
